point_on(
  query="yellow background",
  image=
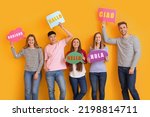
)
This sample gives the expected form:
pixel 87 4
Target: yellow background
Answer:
pixel 81 19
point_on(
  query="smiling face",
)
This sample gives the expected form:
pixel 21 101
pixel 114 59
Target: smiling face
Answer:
pixel 98 42
pixel 52 38
pixel 123 29
pixel 31 41
pixel 98 38
pixel 76 43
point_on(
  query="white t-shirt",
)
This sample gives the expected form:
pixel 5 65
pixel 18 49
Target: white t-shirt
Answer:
pixel 77 74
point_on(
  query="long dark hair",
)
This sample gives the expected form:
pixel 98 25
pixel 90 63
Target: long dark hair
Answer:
pixel 102 45
pixel 35 42
pixel 79 65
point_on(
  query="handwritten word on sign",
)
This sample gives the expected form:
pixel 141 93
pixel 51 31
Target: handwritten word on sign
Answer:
pixel 15 35
pixel 74 58
pixel 97 55
pixel 107 15
pixel 54 19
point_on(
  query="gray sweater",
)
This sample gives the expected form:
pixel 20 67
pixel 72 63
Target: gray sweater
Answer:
pixel 128 49
pixel 33 57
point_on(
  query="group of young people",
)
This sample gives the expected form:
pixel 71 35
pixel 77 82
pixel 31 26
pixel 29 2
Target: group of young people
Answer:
pixel 54 64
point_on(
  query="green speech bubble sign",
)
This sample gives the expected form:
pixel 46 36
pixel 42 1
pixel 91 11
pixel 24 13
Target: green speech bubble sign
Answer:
pixel 74 58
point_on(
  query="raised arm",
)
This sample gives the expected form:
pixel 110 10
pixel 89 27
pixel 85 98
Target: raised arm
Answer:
pixel 14 51
pixel 69 34
pixel 106 38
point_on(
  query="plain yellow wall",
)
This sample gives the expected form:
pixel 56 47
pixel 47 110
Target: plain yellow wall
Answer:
pixel 81 19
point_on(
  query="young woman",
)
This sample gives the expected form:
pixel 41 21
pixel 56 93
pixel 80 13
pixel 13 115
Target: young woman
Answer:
pixel 98 72
pixel 77 71
pixel 34 60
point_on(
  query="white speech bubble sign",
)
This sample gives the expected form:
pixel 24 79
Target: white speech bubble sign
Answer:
pixel 54 19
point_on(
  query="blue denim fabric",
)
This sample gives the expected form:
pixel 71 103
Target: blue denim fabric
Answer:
pixel 58 76
pixel 81 82
pixel 98 80
pixel 31 85
pixel 127 82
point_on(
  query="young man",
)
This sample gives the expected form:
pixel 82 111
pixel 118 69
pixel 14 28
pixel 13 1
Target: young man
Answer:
pixel 55 63
pixel 128 55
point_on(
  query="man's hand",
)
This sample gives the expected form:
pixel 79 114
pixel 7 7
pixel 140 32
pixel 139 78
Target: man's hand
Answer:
pixel 45 68
pixel 131 71
pixel 103 24
pixel 60 25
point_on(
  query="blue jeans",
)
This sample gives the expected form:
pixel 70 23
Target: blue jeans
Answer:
pixel 81 82
pixel 31 85
pixel 127 81
pixel 98 79
pixel 58 76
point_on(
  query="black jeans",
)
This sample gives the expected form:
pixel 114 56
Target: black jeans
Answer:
pixel 127 82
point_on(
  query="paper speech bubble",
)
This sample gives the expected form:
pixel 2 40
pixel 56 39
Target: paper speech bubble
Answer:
pixel 15 35
pixel 54 19
pixel 74 58
pixel 97 55
pixel 107 15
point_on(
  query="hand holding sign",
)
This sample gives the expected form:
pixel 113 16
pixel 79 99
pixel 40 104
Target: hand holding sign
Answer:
pixel 12 44
pixel 97 55
pixel 74 58
pixel 103 24
pixel 54 19
pixel 61 25
pixel 15 35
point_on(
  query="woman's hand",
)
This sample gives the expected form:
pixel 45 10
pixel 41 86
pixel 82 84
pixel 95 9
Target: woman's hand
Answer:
pixel 35 77
pixel 88 60
pixel 106 58
pixel 83 58
pixel 12 44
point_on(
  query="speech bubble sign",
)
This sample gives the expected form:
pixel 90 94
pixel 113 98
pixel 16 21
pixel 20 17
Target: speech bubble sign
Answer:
pixel 74 58
pixel 15 35
pixel 97 55
pixel 54 19
pixel 106 15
